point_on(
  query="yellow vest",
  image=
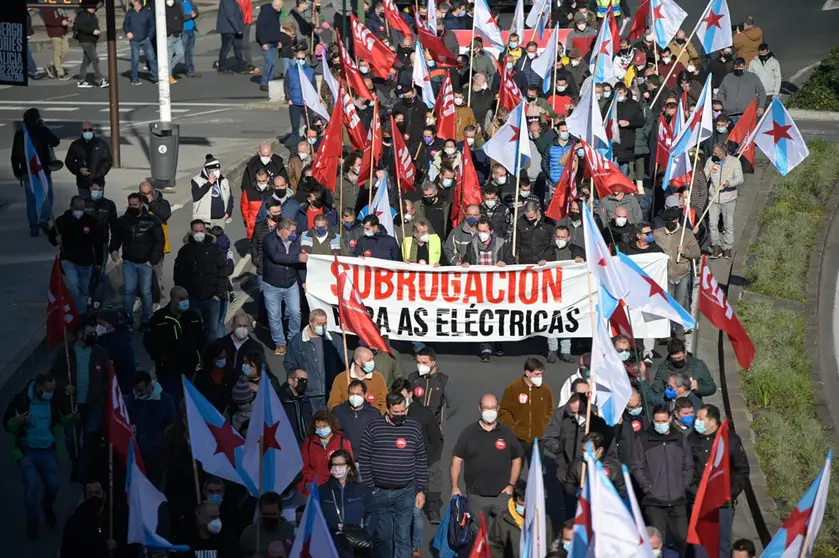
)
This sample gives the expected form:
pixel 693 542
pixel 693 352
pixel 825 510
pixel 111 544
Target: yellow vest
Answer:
pixel 434 248
pixel 603 6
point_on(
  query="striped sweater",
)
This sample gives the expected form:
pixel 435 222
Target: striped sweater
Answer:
pixel 393 456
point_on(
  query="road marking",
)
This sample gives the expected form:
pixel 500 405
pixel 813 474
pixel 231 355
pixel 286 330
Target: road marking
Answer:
pixel 146 122
pixel 177 206
pixel 61 109
pixel 241 265
pixel 797 75
pixel 122 104
pixel 62 97
pixel 178 110
pixel 121 109
pixel 830 5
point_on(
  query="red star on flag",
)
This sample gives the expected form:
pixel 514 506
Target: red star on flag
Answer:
pixel 655 288
pixel 604 48
pixel 35 166
pixel 779 132
pixel 516 134
pixel 795 525
pixel 602 262
pixel 713 19
pixel 269 437
pixel 226 441
pixel 584 515
pixel 657 13
pixel 306 551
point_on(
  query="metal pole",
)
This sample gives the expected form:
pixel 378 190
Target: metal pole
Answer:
pixel 164 99
pixel 113 78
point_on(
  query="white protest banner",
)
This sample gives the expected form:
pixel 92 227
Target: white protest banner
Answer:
pixel 485 303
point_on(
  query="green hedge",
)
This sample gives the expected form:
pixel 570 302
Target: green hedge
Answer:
pixel 821 90
pixel 791 440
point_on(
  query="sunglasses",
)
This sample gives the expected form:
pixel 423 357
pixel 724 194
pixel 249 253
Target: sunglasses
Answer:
pixel 87 129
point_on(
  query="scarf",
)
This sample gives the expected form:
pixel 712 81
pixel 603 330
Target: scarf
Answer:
pixel 511 507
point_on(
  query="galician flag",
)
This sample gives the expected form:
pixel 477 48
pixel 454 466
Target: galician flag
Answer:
pixel 779 139
pixel 714 30
pixel 510 145
pixel 667 17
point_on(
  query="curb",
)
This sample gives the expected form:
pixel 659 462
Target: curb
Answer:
pixel 818 115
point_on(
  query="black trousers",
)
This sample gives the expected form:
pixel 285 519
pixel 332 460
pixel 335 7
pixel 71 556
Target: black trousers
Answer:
pixel 672 521
pixel 228 40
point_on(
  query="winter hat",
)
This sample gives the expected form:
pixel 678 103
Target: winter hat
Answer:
pixel 242 393
pixel 671 201
pixel 576 53
pixel 211 162
pixel 579 17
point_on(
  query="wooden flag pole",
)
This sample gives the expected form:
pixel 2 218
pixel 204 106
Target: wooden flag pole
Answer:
pixel 401 206
pixel 687 205
pixel 471 58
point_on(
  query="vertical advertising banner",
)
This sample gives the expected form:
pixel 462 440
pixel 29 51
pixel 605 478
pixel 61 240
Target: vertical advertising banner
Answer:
pixel 13 37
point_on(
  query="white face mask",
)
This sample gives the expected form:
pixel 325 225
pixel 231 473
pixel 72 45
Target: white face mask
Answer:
pixel 502 180
pixel 423 369
pixel 356 401
pixel 303 156
pixel 214 526
pixel 423 238
pixel 581 26
pixel 691 68
pixel 648 38
pixel 101 330
pixel 199 237
pixel 265 160
pixel 489 416
pixel 484 237
pixel 241 333
pixel 261 186
pixel 620 221
pixel 666 59
pixel 490 203
pixel 170 3
pixel 470 141
pixel 458 101
pixel 339 471
pixel 531 55
pixel 451 150
pixel 537 381
pixel 561 243
pixel 575 62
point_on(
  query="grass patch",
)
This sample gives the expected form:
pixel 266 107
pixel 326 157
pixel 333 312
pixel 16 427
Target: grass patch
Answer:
pixel 791 441
pixel 781 254
pixel 821 90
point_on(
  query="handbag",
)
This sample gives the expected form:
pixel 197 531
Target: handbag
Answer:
pixel 352 537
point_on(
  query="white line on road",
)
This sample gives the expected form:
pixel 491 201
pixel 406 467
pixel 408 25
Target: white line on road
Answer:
pixel 241 265
pixel 123 104
pixel 61 109
pixel 797 75
pixel 146 122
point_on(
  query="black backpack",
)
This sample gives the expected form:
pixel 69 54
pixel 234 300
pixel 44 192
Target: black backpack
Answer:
pixel 460 524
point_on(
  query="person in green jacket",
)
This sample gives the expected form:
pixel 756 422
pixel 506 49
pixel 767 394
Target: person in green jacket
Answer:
pixel 679 360
pixel 505 531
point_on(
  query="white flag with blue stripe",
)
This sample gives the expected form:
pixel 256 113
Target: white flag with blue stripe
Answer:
pixel 602 65
pixel 545 62
pixel 779 139
pixel 667 17
pixel 699 125
pixel 509 141
pixel 714 30
pixel 420 76
pixel 611 389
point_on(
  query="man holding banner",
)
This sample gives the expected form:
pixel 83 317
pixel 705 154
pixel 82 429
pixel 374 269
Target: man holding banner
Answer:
pixel 33 161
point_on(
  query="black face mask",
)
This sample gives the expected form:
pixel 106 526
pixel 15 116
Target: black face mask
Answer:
pixel 275 218
pixel 94 505
pixel 302 384
pixel 429 201
pixel 398 420
pixel 89 340
pixel 317 204
pixel 270 523
pixel 576 216
pixel 738 72
pixel 715 159
pixel 408 100
pixel 671 226
pixel 280 192
pixel 531 99
pixel 678 363
pixel 135 211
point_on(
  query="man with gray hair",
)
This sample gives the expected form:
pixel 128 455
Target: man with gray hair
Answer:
pixel 657 543
pixel 316 351
pixel 725 174
pixel 283 273
pixel 679 384
pixel 459 240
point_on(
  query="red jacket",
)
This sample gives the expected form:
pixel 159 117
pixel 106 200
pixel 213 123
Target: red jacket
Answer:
pixel 316 459
pixel 53 23
pixel 247 10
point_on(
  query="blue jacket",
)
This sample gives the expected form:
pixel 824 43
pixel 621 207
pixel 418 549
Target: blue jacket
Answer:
pixel 354 501
pixel 119 344
pixel 376 25
pixel 189 23
pixel 302 219
pixel 525 76
pixel 355 421
pixel 290 207
pixel 281 267
pixel 231 19
pixel 555 153
pixel 301 354
pixel 141 24
pixel 380 245
pixel 150 418
pixel 268 29
pixel 291 83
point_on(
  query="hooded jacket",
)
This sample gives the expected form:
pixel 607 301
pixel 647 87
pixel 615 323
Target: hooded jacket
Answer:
pixel 769 73
pixel 535 241
pixel 746 43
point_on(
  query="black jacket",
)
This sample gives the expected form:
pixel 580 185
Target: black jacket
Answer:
pixel 268 29
pixel 84 26
pixel 260 231
pixel 95 155
pixel 175 19
pixel 140 237
pixel 202 268
pixel 299 411
pixel 81 240
pixel 626 433
pixel 564 438
pixel 43 139
pixel 158 206
pixel 534 241
pixel 662 467
pixel 218 394
pixel 235 357
pixel 85 534
pixel 414 117
pixel 632 112
pixel 430 430
pixel 381 245
pixel 105 213
pixel 174 342
pixel 275 167
pixel 701 446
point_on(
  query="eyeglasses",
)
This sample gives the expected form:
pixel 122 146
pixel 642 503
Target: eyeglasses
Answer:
pixel 87 129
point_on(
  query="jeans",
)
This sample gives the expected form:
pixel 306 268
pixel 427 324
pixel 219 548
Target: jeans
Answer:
pixel 146 46
pixel 270 57
pixel 726 519
pixel 274 298
pixel 672 521
pixel 679 290
pixel 31 66
pixel 189 50
pixel 727 211
pixel 90 58
pixel 136 275
pixel 561 345
pixel 228 40
pixel 176 52
pixel 624 168
pixel 287 63
pixel 78 439
pixel 43 464
pixel 209 311
pixel 417 524
pixel 32 213
pixel 295 116
pixel 77 279
pixel 173 385
pixel 157 286
pixel 395 512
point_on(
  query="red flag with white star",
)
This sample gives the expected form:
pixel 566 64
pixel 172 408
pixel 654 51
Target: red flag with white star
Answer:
pixel 117 423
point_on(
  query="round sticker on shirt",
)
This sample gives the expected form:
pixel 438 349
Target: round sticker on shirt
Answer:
pixel 371 398
pixel 636 425
pixel 500 444
pixel 522 398
pixel 367 253
pixel 401 443
pixel 86 230
pixel 419 391
pixel 715 168
pixel 422 262
pixel 353 243
pixel 406 136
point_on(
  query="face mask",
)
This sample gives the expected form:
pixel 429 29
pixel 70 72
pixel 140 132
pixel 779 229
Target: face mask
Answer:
pixel 280 192
pixel 101 330
pixel 87 136
pixel 369 234
pixel 666 60
pixel 509 66
pixel 662 428
pixel 292 237
pixel 199 237
pixel 699 426
pixel 680 363
pixel 135 211
pixel 216 499
pixel 349 225
pixel 581 26
pixel 356 401
pixel 489 416
pixel 621 98
pixel 581 153
pixel 423 369
pixel 561 243
pixel 669 393
pixel 657 553
pixel 408 100
pixel 320 330
pixel 312 141
pixel 519 509
pixel 722 129
pixel 301 62
pixel 636 411
pixel 470 141
pixel 261 186
pixel 423 238
pixel 537 381
pixel 484 237
pixel 183 305
pixel 368 367
pixel 738 72
pixel 78 213
pixel 302 385
pixel 671 226
pixel 398 420
pixel 620 221
pixel 575 217
pixel 430 63
pixel 427 139
pixel 688 420
pixel 265 160
pixel 576 62
pixel 471 220
pixel 247 369
pixel 607 94
pixel 221 363
pixel 581 420
pixel 513 44
pixel 241 333
pixel 648 38
pixel 623 355
pixel 320 231
pixel 502 181
pixel 217 173
pixel 564 135
pixel 450 150
pixel 214 526
pixel 339 471
pixel 691 68
pixel 364 70
pixel 96 194
pixel 566 545
pixel 648 238
pixel 490 203
pixel 324 432
pixel 429 201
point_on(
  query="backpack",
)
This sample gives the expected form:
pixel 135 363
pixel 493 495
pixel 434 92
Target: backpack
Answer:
pixel 460 524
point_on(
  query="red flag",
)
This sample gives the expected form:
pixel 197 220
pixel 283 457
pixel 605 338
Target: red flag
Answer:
pixel 619 322
pixel 352 313
pixel 607 178
pixel 395 20
pixel 639 22
pixel 373 150
pixel 445 112
pixel 715 307
pixel 371 48
pixel 665 138
pixel 61 310
pixel 352 122
pixel 714 491
pixel 558 208
pixel 405 170
pixel 743 129
pixel 467 189
pixel 355 80
pixel 325 169
pixel 509 94
pixel 480 548
pixel 120 434
pixel 435 45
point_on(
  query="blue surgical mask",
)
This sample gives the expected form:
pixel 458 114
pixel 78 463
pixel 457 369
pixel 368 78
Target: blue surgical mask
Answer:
pixel 301 62
pixel 623 355
pixel 47 395
pixel 662 428
pixel 320 330
pixel 320 231
pixel 566 545
pixel 323 432
pixel 87 136
pixel 447 182
pixel 216 499
pixel 431 63
pixel 722 129
pixel 514 44
pixel 96 194
pixel 580 152
pixel 648 238
pixel 369 234
pixel 519 509
pixel 636 411
pixel 699 426
pixel 246 369
pixel 564 135
pixel 183 305
pixel 369 366
pixel 221 363
pixel 688 420
pixel 78 213
pixel 349 225
pixel 427 139
pixel 472 220
pixel 670 393
pixel 502 181
pixel 607 94
pixel 292 237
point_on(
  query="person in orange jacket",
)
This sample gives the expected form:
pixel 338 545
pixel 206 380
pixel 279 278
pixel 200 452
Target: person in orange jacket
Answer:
pixel 326 437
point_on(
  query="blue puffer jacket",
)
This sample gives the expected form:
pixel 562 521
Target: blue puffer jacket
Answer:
pixel 231 19
pixel 140 24
pixel 555 153
pixel 291 83
pixel 281 268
